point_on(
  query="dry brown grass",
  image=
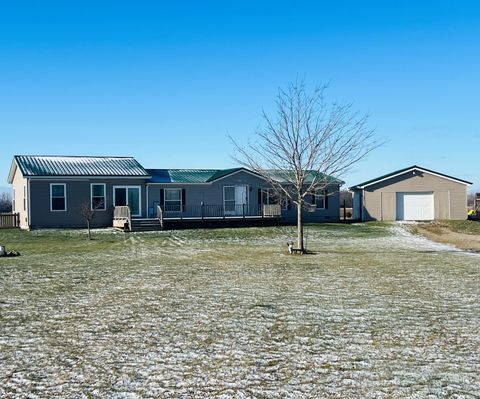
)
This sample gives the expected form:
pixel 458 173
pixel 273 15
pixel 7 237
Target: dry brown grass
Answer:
pixel 461 234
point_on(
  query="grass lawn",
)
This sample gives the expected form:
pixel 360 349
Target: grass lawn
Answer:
pixel 375 312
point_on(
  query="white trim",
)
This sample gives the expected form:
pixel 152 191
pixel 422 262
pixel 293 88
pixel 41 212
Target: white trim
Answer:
pixel 181 198
pixel 410 170
pixel 64 196
pixel 238 171
pixel 104 196
pixel 139 197
pixel 12 171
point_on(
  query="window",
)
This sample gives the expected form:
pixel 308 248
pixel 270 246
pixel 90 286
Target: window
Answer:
pixel 13 201
pixel 97 196
pixel 320 199
pixel 58 197
pixel 24 198
pixel 173 200
pixel 269 196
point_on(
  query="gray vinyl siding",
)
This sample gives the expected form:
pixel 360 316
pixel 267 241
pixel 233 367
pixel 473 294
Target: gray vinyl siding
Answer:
pixel 212 194
pixel 450 197
pixel 77 191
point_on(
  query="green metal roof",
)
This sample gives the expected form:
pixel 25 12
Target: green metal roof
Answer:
pixel 188 175
pixel 222 173
pixel 39 165
pixel 209 175
pixel 404 170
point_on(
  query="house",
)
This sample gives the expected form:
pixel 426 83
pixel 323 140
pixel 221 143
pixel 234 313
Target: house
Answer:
pixel 413 193
pixel 49 190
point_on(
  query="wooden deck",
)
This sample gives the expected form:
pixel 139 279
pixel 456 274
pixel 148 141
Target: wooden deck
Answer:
pixel 211 222
pixel 203 216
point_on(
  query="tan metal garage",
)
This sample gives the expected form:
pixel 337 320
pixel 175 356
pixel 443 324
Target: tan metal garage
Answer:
pixel 412 193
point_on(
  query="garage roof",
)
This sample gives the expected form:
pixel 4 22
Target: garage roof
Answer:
pixel 405 170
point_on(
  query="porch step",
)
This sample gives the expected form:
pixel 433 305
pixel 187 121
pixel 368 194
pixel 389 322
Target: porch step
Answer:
pixel 146 225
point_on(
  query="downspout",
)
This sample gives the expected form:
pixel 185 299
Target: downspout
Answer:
pixel 362 204
pixel 29 222
pixel 146 199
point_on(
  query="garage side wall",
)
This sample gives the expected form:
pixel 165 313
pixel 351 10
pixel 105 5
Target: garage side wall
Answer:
pixel 450 197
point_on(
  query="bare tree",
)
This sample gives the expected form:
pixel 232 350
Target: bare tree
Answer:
pixel 305 142
pixel 5 203
pixel 471 198
pixel 88 213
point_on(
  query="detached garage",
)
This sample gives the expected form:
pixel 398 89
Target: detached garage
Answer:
pixel 413 193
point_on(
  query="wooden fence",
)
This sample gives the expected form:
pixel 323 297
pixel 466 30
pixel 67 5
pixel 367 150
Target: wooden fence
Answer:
pixel 9 220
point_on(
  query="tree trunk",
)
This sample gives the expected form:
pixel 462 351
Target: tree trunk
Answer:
pixel 299 226
pixel 88 228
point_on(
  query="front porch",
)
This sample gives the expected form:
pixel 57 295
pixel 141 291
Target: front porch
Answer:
pixel 203 215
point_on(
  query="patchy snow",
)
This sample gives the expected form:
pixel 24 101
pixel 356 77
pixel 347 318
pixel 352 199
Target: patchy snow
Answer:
pixel 186 314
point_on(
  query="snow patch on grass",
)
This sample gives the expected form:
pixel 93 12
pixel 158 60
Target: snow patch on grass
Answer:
pixel 377 312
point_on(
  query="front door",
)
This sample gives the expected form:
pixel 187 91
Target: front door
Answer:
pixel 235 198
pixel 128 196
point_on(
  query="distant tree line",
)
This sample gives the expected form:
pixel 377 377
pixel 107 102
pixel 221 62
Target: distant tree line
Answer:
pixel 5 203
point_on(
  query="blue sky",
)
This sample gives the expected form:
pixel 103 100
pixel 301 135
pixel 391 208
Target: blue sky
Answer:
pixel 167 83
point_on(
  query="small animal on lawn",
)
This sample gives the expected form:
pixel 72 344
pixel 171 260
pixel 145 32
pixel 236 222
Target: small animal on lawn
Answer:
pixel 3 252
pixel 292 250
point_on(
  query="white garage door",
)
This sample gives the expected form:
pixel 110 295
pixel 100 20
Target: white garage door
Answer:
pixel 415 206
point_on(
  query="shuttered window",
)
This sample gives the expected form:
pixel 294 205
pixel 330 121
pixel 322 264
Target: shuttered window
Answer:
pixel 173 199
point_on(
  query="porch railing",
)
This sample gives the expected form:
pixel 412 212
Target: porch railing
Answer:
pixel 207 211
pixel 122 217
pixel 272 210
